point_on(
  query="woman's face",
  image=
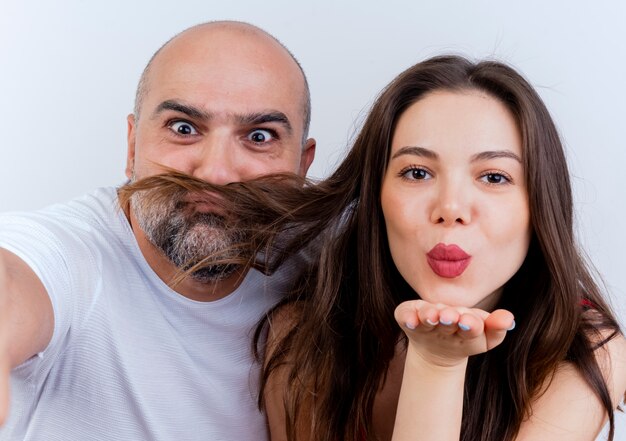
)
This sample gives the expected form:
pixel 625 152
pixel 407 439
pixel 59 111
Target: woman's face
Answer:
pixel 454 198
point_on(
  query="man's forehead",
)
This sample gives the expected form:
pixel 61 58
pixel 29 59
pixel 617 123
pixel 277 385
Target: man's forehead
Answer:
pixel 227 48
pixel 209 92
pixel 246 79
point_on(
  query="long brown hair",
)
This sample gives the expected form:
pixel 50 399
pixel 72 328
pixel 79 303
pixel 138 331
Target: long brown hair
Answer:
pixel 343 337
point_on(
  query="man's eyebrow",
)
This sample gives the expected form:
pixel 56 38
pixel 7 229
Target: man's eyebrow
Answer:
pixel 252 119
pixel 177 106
pixel 417 151
pixel 495 154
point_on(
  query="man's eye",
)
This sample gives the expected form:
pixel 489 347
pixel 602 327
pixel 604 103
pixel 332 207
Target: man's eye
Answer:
pixel 183 128
pixel 261 136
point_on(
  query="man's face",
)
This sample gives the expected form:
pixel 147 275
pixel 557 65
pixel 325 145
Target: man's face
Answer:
pixel 184 234
pixel 223 107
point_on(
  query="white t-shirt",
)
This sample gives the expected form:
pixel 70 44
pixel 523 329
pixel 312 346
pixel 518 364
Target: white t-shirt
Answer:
pixel 130 359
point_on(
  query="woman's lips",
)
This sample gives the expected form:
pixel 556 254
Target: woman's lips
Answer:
pixel 448 261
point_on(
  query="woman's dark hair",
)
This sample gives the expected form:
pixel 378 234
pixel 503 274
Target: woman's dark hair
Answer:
pixel 343 336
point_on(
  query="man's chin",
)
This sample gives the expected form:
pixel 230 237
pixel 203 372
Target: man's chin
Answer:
pixel 214 273
pixel 202 230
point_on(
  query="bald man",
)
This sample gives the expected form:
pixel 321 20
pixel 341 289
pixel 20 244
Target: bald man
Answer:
pixel 94 341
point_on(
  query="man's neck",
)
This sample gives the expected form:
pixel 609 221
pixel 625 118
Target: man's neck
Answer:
pixel 168 272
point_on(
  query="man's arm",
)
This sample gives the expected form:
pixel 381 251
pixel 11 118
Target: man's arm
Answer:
pixel 26 319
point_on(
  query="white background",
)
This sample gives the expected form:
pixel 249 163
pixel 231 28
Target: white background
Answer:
pixel 68 71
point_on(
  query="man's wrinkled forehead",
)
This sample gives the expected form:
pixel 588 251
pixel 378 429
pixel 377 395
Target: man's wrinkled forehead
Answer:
pixel 264 116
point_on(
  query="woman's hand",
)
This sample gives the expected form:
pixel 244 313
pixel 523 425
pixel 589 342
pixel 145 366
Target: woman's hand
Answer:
pixel 446 335
pixel 441 338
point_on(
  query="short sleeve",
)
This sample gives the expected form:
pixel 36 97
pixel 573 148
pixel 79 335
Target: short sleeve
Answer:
pixel 51 251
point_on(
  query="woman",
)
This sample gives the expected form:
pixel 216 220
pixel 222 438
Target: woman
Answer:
pixel 459 194
pixel 453 210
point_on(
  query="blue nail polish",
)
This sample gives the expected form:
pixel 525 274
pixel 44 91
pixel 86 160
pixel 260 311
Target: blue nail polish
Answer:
pixel 512 326
pixel 410 325
pixel 463 327
pixel 445 322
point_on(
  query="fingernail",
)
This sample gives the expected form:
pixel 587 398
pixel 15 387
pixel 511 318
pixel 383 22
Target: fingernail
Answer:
pixel 431 323
pixel 464 327
pixel 410 325
pixel 445 322
pixel 512 326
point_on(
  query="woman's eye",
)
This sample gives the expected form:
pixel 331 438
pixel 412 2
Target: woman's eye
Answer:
pixel 260 136
pixel 183 128
pixel 494 178
pixel 416 174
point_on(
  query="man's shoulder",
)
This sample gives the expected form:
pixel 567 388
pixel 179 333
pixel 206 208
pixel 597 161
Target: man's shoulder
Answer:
pixel 82 225
pixel 99 204
pixel 99 207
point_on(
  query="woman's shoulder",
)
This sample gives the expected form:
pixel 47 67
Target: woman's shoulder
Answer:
pixel 609 349
pixel 567 407
pixel 611 356
pixel 281 321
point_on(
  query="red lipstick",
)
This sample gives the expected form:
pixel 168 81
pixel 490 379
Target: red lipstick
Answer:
pixel 448 261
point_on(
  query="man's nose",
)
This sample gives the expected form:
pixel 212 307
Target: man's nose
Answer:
pixel 216 162
pixel 452 205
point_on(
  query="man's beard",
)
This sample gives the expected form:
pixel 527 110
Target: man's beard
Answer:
pixel 186 237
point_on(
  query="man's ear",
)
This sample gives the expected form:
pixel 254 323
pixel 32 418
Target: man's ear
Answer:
pixel 130 139
pixel 308 153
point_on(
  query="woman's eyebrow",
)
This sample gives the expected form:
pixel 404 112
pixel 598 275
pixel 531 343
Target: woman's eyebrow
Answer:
pixel 495 154
pixel 416 151
pixel 482 156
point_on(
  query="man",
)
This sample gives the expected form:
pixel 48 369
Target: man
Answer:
pixel 95 341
